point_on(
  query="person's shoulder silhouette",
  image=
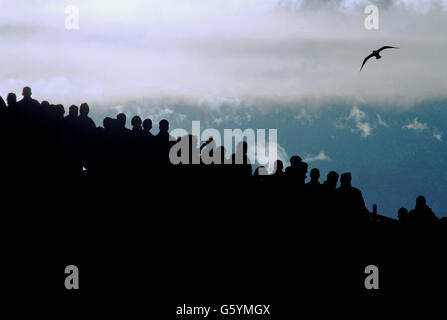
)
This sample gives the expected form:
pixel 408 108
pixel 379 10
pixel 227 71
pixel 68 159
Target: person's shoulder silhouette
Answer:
pixel 3 106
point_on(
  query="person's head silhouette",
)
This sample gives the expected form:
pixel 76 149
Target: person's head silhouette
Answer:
pixel 314 174
pixel 402 213
pixel 60 111
pixel 332 177
pixel 295 161
pixel 73 111
pixel 84 110
pixel 11 99
pixel 421 203
pixel 107 123
pixel 345 180
pixel 27 92
pixel 279 166
pixel 136 122
pixel 163 125
pixel 147 125
pixel 121 120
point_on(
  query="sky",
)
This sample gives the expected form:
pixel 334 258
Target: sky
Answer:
pixel 283 64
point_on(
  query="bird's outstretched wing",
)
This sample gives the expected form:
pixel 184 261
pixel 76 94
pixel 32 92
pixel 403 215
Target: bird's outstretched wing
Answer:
pixel 387 47
pixel 366 59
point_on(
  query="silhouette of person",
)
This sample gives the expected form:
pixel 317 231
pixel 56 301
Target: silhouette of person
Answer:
pixel 137 129
pixel 296 172
pixel 328 189
pixel 136 124
pixel 59 112
pixel 350 200
pixel 86 129
pixel 148 141
pixel 278 171
pixel 11 99
pixel 313 191
pixel 314 177
pixel 70 125
pixel 28 105
pixel 163 143
pixel 331 181
pixel 402 214
pixel 71 119
pixel 147 127
pixel 163 136
pixel 422 213
pixel 121 120
pixel 85 123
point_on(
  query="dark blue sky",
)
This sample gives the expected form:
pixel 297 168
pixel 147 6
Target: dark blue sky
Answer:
pixel 392 165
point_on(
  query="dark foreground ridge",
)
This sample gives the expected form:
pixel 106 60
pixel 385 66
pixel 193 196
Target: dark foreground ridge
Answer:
pixel 108 198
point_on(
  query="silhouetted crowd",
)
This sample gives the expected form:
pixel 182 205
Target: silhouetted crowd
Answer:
pixel 41 142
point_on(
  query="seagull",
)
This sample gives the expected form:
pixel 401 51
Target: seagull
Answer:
pixel 376 54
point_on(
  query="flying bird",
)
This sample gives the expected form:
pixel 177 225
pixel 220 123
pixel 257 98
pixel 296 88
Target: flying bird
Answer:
pixel 376 54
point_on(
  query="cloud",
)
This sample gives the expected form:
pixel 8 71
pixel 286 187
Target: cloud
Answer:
pixel 319 157
pixel 281 154
pixel 358 116
pixel 437 134
pixel 304 116
pixel 382 122
pixel 415 125
pixel 247 51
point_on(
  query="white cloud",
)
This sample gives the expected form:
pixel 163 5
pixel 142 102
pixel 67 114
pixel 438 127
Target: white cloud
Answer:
pixel 437 134
pixel 382 122
pixel 281 154
pixel 304 116
pixel 358 116
pixel 415 125
pixel 321 156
